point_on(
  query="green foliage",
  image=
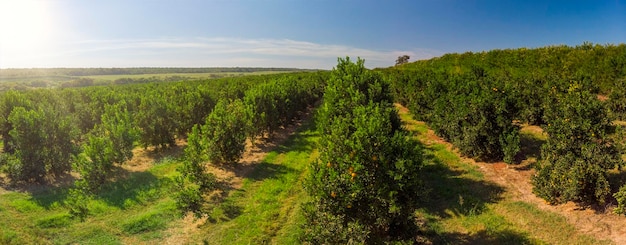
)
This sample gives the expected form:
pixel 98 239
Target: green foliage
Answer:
pixel 188 196
pixel 42 144
pixel 478 123
pixel 277 103
pixel 225 132
pixel 96 162
pixel 350 85
pixel 193 104
pixel 617 102
pixel 110 142
pixel 365 185
pixel 77 202
pixel 25 206
pixel 194 179
pixel 332 229
pixel 9 101
pixel 620 196
pixel 117 125
pixel 157 121
pixel 8 236
pixel 578 153
pixel 493 89
pixel 195 156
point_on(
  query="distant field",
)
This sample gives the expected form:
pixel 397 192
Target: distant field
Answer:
pixel 182 75
pixel 21 79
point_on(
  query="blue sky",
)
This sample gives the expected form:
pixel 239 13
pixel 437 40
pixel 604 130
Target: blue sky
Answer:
pixel 288 33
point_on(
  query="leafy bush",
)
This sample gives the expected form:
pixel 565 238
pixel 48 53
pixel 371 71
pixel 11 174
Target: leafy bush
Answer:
pixel 156 119
pixel 96 162
pixel 77 202
pixel 617 100
pixel 194 179
pixel 331 229
pixel 620 196
pixel 110 142
pixel 195 156
pixel 188 196
pixel 225 132
pixel 478 122
pixel 578 153
pixel 42 143
pixel 10 100
pixel 365 185
pixel 117 125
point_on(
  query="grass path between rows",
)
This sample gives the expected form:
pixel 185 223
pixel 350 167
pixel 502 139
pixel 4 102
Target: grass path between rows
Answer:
pixel 467 208
pixel 266 210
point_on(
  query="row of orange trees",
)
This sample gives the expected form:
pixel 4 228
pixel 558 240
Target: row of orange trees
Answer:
pixel 221 138
pixel 47 133
pixel 478 100
pixel 57 123
pixel 366 184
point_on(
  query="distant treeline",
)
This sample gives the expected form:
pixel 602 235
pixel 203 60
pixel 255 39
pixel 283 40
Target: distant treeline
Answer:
pixel 30 72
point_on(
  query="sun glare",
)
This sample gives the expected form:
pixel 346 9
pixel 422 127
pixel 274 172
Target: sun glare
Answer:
pixel 26 27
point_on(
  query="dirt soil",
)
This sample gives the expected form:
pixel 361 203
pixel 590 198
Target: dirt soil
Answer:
pixel 602 224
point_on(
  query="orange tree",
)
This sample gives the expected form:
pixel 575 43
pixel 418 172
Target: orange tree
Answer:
pixel 43 143
pixel 194 178
pixel 277 103
pixel 365 185
pixel 157 120
pixel 478 120
pixel 8 101
pixel 578 153
pixel 224 132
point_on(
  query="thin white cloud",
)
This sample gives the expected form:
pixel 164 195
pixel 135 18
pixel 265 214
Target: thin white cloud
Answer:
pixel 204 51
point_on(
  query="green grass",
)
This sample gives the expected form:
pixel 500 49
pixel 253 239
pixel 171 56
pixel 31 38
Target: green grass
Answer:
pixel 463 208
pixel 546 226
pixel 138 207
pixel 267 208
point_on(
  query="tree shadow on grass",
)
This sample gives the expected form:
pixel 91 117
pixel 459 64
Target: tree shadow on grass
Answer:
pixel 134 187
pixel 452 193
pixel 299 142
pixel 484 238
pixel 53 190
pixel 224 211
pixel 455 192
pixel 49 196
pixel 267 170
pixel 137 187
